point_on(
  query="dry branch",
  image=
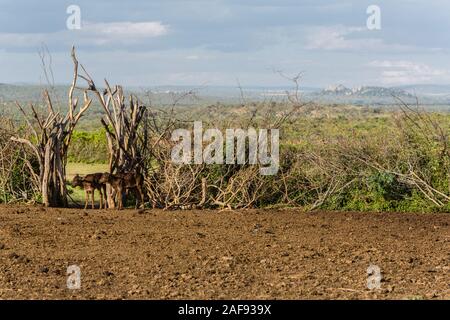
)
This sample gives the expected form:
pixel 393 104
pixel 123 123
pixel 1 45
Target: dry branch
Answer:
pixel 52 135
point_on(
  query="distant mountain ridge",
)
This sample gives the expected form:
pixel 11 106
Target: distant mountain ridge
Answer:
pixel 364 91
pixel 163 94
pixel 435 90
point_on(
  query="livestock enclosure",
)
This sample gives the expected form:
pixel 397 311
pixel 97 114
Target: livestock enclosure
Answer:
pixel 232 157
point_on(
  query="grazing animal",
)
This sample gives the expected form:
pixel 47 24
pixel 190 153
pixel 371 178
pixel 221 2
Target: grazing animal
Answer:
pixel 125 182
pixel 90 183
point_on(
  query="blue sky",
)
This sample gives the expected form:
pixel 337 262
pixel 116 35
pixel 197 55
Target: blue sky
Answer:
pixel 208 42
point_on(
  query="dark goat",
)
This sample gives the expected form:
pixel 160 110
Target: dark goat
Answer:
pixel 121 182
pixel 90 183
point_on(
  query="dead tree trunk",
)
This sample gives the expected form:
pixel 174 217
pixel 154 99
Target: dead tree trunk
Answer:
pixel 51 139
pixel 122 125
pixel 126 136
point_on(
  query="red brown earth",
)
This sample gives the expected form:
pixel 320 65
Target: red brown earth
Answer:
pixel 254 254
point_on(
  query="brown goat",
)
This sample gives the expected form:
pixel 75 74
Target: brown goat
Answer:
pixel 90 183
pixel 124 182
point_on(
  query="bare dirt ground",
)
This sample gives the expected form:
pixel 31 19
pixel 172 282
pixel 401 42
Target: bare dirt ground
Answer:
pixel 255 254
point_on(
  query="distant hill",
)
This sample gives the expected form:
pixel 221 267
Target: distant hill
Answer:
pixel 365 91
pixel 206 95
pixel 431 90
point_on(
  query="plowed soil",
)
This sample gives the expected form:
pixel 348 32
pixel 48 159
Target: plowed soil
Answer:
pixel 254 254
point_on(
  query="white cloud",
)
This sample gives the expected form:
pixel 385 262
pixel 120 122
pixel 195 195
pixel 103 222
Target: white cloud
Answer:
pixel 89 34
pixel 348 38
pixel 398 72
pixel 330 38
pixel 126 29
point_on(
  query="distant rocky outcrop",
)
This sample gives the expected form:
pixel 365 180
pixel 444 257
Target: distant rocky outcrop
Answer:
pixel 364 91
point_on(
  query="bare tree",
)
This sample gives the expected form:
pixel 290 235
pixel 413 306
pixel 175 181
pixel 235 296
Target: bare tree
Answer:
pixel 50 141
pixel 127 139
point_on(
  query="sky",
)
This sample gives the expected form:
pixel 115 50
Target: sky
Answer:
pixel 223 43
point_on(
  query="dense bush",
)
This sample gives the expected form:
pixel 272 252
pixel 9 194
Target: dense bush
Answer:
pixel 388 162
pixel 88 147
pixel 16 180
pixel 395 163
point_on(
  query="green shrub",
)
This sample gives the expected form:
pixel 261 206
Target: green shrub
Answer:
pixel 88 147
